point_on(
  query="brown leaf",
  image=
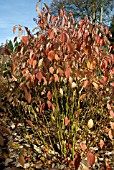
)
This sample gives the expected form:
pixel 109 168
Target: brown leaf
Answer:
pixel 1 141
pixel 90 158
pixel 29 122
pixel 28 96
pixel 77 161
pixel 101 143
pixel 21 160
pixel 78 112
pixel 7 131
pixel 14 29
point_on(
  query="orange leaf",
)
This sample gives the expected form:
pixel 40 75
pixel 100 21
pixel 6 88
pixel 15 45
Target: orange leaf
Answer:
pixel 56 78
pixel 86 82
pixel 111 113
pixel 66 121
pixel 101 143
pixel 110 134
pixel 78 112
pixel 1 141
pixel 49 104
pixel 39 76
pixel 95 85
pixel 82 96
pixel 51 70
pixel 49 95
pixel 83 146
pixel 108 106
pixel 90 158
pixel 14 29
pixel 25 39
pixel 29 122
pixel 67 72
pixel 51 55
pixel 21 160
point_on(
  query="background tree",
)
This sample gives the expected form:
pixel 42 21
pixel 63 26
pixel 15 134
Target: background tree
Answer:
pixel 97 10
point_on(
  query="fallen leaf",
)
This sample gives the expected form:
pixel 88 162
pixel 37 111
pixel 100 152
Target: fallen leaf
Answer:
pixel 101 143
pixel 66 121
pixel 77 161
pixel 28 96
pixel 111 113
pixel 110 134
pixel 90 158
pixel 21 160
pixel 29 122
pixel 83 146
pixel 49 95
pixel 90 123
pixel 1 141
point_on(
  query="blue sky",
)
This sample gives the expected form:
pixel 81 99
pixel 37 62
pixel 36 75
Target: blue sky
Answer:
pixel 13 12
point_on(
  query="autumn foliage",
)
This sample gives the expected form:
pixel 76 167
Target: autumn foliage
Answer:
pixel 64 74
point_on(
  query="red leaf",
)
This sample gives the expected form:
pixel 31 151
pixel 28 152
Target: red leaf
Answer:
pixel 49 104
pixel 39 76
pixel 56 78
pixel 63 37
pixel 90 158
pixel 77 161
pixel 112 84
pixel 25 39
pixel 49 95
pixel 42 107
pixel 67 72
pixel 51 55
pixel 66 121
pixel 86 82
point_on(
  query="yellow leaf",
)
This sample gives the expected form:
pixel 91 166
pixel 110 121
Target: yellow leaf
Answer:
pixel 95 85
pixel 90 123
